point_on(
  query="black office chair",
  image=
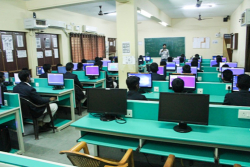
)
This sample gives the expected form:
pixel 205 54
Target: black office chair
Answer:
pixel 78 93
pixel 27 114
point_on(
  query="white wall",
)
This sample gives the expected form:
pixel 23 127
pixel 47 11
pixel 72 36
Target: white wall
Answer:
pixel 13 12
pixel 188 28
pixel 235 27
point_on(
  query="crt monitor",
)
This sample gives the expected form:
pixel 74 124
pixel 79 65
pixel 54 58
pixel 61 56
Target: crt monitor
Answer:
pixel 161 70
pixel 92 71
pixel 7 77
pixel 109 102
pixel 189 80
pixel 1 96
pixel 235 80
pixel 87 64
pixel 61 69
pixel 75 66
pixel 193 70
pixel 56 80
pixel 145 79
pixel 236 71
pixel 230 64
pixel 16 77
pixel 184 108
pixel 147 58
pixel 105 63
pixel 171 66
pixel 113 67
pixel 39 70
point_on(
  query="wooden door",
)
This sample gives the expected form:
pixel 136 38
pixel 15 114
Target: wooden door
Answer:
pixel 112 45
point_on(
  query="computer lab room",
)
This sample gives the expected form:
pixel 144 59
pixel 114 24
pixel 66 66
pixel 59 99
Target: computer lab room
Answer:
pixel 125 83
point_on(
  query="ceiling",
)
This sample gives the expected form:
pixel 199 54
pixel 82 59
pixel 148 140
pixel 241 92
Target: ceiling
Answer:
pixel 92 9
pixel 173 8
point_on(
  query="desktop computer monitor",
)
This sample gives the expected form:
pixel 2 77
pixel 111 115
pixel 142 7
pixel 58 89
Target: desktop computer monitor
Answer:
pixel 56 80
pixel 193 70
pixel 87 64
pixel 105 63
pixel 194 109
pixel 189 81
pixel 92 71
pixel 145 79
pixel 177 61
pixel 171 66
pixel 17 80
pixel 7 77
pixel 161 70
pixel 189 63
pixel 113 67
pixel 236 71
pixel 214 57
pixel 230 64
pixel 109 102
pixel 213 62
pixel 39 70
pixel 75 66
pixel 1 96
pixel 61 69
pixel 147 58
pixel 224 59
pixel 90 61
pixel 234 87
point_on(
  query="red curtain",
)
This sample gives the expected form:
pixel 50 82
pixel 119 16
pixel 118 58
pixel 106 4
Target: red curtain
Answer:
pixel 87 46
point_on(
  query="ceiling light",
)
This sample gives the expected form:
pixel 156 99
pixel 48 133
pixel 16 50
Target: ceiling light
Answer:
pixel 163 23
pixel 201 7
pixel 111 14
pixel 144 13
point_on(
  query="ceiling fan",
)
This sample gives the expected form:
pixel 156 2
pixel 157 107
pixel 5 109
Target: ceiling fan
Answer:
pixel 200 19
pixel 107 13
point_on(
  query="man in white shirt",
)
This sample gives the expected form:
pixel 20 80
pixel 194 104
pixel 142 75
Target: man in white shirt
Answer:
pixel 164 53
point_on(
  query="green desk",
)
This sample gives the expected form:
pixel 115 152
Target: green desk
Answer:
pixel 24 161
pixel 94 82
pixel 13 112
pixel 156 95
pixel 204 143
pixel 64 97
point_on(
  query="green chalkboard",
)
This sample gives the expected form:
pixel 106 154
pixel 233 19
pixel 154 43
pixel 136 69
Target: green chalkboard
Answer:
pixel 175 45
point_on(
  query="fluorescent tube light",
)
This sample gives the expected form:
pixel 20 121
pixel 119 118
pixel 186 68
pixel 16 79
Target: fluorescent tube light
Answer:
pixel 144 13
pixel 163 23
pixel 111 14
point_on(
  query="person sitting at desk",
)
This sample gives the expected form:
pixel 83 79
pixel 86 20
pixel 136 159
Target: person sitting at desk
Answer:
pixel 58 65
pixel 155 76
pixel 108 79
pixel 170 59
pixel 197 56
pixel 227 76
pixel 218 60
pixel 182 60
pixel 178 85
pixel 116 60
pixel 97 59
pixel 68 75
pixel 79 67
pixel 225 65
pixel 241 98
pixel 26 91
pixel 195 64
pixel 47 69
pixel 163 63
pixel 2 79
pixel 133 86
pixel 186 69
pixel 84 61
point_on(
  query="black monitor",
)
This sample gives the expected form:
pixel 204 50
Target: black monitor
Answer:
pixel 171 66
pixel 92 72
pixel 189 81
pixel 39 70
pixel 109 102
pixel 147 58
pixel 145 79
pixel 61 69
pixel 184 108
pixel 7 77
pixel 56 80
pixel 234 84
pixel 1 96
pixel 113 67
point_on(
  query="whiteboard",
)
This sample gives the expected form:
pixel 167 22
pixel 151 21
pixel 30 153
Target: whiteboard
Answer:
pixel 201 43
